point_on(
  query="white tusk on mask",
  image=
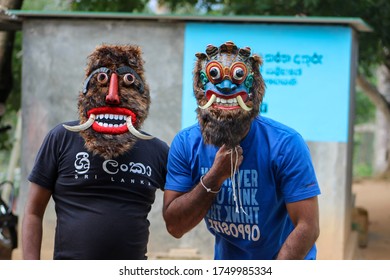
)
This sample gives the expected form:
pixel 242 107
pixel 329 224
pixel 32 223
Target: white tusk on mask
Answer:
pixel 242 104
pixel 81 127
pixel 135 132
pixel 209 103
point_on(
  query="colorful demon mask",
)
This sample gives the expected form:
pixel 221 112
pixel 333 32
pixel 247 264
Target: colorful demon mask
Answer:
pixel 229 89
pixel 114 101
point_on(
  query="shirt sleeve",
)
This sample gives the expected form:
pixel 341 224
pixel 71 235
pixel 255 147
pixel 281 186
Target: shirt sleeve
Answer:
pixel 45 169
pixel 295 171
pixel 179 170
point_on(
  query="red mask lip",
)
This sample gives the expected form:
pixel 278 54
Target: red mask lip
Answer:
pixel 112 110
pixel 115 111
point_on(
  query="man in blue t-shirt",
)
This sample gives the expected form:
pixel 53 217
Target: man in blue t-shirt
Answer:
pixel 101 171
pixel 250 178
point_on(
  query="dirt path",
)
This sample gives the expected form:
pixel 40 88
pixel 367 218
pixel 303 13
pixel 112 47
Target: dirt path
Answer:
pixel 374 196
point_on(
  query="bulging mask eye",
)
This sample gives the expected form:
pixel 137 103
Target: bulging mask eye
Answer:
pixel 102 78
pixel 128 79
pixel 214 71
pixel 238 72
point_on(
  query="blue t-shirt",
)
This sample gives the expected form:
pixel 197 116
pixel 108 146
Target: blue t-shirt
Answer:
pixel 277 169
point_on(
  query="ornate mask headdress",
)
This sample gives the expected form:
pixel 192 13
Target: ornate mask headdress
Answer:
pixel 114 101
pixel 229 89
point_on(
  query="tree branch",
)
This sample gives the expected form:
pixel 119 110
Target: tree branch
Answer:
pixel 374 95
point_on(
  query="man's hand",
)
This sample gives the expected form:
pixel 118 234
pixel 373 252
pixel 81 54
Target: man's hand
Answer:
pixel 183 211
pixel 226 162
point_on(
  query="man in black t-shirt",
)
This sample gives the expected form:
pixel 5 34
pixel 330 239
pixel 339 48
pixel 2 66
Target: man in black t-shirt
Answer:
pixel 101 171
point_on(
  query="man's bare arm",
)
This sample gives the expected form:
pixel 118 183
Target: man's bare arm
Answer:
pixel 32 221
pixel 305 216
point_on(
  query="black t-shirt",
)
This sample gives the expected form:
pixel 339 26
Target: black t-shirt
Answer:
pixel 101 205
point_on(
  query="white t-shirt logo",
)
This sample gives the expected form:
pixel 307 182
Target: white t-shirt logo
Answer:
pixel 82 163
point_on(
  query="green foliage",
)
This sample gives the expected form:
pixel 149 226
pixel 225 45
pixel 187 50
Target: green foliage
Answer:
pixel 364 109
pixel 87 5
pixel 109 6
pixel 193 6
pixel 45 5
pixel 363 155
pixel 7 136
pixel 14 100
pixel 362 170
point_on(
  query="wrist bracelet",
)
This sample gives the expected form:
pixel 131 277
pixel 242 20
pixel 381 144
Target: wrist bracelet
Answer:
pixel 206 188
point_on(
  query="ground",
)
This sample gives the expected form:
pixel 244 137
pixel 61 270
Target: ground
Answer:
pixel 374 196
pixel 371 195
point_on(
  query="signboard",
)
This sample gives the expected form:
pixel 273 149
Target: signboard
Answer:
pixel 306 70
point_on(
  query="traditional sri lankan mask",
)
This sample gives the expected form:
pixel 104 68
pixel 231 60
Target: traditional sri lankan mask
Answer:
pixel 229 89
pixel 114 101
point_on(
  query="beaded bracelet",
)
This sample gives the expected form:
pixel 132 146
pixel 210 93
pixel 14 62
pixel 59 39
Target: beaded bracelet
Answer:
pixel 206 188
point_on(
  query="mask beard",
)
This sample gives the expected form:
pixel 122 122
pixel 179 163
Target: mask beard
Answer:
pixel 107 145
pixel 223 127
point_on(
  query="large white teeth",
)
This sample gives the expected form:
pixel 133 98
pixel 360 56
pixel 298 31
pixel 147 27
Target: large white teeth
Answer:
pixel 209 103
pixel 83 126
pixel 135 132
pixel 111 117
pixel 226 102
pixel 242 104
pixel 102 117
pixel 110 124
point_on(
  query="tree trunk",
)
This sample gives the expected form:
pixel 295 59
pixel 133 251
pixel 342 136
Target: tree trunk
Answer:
pixel 382 129
pixel 382 139
pixel 380 97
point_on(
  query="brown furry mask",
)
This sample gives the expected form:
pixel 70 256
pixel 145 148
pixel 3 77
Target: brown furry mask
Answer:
pixel 229 89
pixel 114 102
